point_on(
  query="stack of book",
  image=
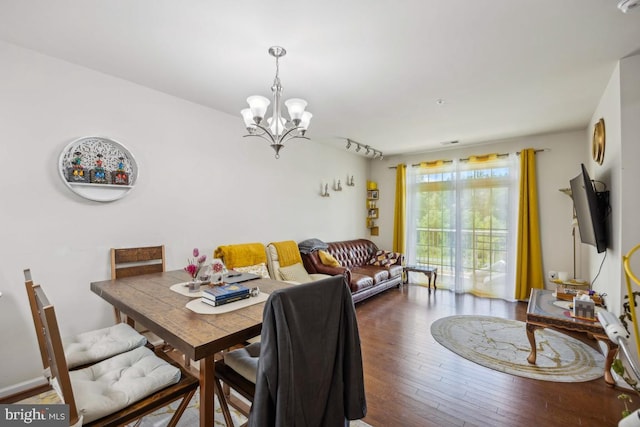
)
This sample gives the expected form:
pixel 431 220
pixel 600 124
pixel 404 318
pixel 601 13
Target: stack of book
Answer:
pixel 219 295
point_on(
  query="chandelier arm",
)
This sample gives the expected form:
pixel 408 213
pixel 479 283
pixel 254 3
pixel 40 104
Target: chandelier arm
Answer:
pixel 270 141
pixel 266 131
pixel 285 136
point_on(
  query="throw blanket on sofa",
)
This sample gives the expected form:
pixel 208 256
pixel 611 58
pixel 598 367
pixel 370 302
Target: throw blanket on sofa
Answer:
pixel 288 253
pixel 310 245
pixel 241 255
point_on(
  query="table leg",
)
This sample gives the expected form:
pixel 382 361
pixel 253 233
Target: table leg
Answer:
pixel 531 335
pixel 207 392
pixel 435 278
pixel 612 350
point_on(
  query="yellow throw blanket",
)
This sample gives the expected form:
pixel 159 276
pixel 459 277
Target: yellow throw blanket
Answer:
pixel 288 253
pixel 241 255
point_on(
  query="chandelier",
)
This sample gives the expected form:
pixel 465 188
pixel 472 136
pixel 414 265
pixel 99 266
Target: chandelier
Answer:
pixel 278 130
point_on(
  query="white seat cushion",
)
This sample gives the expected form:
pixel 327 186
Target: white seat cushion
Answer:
pixel 244 361
pixel 295 273
pixel 94 346
pixel 116 383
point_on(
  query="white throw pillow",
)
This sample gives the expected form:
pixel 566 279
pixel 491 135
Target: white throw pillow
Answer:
pixel 295 273
pixel 259 269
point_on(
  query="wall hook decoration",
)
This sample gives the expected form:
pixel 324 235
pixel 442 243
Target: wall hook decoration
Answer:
pixel 338 186
pixel 324 192
pixel 350 182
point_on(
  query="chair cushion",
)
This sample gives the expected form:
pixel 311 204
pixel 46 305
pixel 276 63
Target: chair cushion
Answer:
pixel 327 259
pixel 259 269
pixel 97 345
pixel 116 383
pixel 295 273
pixel 244 361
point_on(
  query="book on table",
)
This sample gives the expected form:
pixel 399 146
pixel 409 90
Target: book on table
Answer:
pixel 223 301
pixel 218 293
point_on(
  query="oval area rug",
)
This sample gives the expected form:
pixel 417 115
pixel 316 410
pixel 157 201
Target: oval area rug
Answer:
pixel 502 345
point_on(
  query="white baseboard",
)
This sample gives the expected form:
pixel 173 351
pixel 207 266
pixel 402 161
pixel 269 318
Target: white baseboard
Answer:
pixel 23 386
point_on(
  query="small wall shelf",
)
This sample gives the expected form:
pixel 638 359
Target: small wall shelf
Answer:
pixel 98 169
pixel 373 195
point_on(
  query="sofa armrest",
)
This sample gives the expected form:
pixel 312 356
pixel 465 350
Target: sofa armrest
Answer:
pixel 400 260
pixel 331 271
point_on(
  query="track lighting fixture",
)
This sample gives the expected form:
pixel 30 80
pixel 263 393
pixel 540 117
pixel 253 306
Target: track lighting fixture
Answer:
pixel 377 154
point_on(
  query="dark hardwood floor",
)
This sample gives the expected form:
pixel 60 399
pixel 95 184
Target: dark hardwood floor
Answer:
pixel 411 380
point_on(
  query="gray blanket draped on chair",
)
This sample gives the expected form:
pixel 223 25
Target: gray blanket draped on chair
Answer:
pixel 310 368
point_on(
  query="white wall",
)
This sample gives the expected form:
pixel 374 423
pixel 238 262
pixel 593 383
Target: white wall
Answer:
pixel 200 185
pixel 556 166
pixel 609 173
pixel 620 108
pixel 629 206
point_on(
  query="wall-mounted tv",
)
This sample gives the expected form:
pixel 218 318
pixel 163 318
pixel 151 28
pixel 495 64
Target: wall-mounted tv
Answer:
pixel 591 208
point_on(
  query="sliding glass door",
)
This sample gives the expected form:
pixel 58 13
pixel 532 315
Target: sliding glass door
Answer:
pixel 462 220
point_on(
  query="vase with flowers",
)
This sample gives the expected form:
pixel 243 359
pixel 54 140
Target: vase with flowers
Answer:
pixel 194 267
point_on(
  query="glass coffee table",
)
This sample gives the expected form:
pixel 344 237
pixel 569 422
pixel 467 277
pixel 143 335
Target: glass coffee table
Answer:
pixel 546 311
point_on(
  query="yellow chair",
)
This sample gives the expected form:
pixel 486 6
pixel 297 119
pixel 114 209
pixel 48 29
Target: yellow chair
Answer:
pixel 630 276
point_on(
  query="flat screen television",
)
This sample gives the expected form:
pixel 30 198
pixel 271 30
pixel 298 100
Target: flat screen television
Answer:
pixel 591 208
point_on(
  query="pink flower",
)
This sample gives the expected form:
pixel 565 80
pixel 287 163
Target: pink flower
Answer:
pixel 191 269
pixel 195 265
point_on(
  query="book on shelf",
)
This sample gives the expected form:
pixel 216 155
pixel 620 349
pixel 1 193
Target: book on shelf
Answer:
pixel 217 293
pixel 223 301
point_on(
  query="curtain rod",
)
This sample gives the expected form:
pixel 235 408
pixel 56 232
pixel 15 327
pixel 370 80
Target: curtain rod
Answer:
pixel 467 158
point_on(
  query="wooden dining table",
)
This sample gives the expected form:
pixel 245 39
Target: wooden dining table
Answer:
pixel 149 301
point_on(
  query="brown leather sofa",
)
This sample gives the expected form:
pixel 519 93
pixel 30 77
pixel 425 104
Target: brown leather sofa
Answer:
pixel 365 279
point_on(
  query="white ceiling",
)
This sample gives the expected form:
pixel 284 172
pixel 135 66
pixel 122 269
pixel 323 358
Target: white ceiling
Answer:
pixel 371 70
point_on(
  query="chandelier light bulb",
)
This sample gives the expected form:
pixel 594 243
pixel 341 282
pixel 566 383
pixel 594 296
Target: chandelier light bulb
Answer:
pixel 247 116
pixel 304 122
pixel 276 130
pixel 296 107
pixel 258 105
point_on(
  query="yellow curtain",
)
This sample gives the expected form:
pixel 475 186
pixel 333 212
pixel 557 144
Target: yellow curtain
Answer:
pixel 529 273
pixel 400 209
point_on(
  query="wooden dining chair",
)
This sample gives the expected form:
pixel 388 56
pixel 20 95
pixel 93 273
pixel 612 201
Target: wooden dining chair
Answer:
pixel 128 262
pixel 118 390
pixel 308 364
pixel 87 347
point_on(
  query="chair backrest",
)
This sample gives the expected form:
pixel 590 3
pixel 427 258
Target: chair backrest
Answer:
pixel 55 351
pixel 275 260
pixel 127 262
pixel 312 330
pixel 37 323
pixel 241 255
